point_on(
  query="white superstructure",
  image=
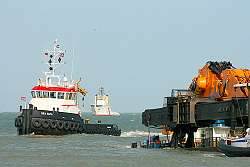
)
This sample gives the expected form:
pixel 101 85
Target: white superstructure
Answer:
pixel 55 92
pixel 102 107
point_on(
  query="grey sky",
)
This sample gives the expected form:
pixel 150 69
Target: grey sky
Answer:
pixel 138 50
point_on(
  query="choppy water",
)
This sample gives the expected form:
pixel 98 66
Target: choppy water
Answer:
pixel 99 150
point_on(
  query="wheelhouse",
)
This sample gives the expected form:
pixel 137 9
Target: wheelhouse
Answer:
pixel 54 93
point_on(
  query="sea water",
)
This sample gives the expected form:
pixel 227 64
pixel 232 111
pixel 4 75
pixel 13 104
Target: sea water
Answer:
pixel 86 150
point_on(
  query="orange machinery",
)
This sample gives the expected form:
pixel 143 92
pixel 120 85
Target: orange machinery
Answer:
pixel 217 80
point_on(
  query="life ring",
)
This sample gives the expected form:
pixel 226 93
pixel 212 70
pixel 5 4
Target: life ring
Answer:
pixel 72 126
pixel 36 122
pixel 45 123
pixel 66 125
pixel 59 125
pixel 53 124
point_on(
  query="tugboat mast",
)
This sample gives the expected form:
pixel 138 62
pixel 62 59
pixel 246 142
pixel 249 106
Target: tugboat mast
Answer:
pixel 54 59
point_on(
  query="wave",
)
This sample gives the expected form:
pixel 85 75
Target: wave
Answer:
pixel 32 135
pixel 138 133
pixel 8 135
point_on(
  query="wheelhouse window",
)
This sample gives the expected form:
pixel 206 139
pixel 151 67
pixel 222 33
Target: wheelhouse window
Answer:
pixel 60 95
pixel 52 94
pixel 33 94
pixel 70 96
pixel 46 94
pixel 73 96
pixel 39 94
pixel 67 97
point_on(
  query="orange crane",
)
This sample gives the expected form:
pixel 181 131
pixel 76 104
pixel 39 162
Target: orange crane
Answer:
pixel 217 80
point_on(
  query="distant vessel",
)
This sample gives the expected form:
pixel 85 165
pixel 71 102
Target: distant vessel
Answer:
pixel 102 107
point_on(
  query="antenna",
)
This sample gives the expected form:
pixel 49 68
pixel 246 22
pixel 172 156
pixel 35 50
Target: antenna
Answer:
pixel 72 63
pixel 54 58
pixel 101 91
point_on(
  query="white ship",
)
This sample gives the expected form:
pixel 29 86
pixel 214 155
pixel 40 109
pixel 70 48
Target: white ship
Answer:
pixel 102 107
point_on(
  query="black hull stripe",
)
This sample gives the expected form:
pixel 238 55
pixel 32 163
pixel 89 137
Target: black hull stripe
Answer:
pixel 42 122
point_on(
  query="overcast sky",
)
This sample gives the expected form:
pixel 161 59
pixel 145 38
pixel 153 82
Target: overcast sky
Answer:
pixel 137 49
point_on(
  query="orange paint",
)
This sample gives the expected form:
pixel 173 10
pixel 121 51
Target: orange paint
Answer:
pixel 210 84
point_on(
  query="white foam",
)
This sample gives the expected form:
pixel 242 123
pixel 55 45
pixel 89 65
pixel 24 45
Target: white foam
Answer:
pixel 138 133
pixel 209 155
pixel 128 146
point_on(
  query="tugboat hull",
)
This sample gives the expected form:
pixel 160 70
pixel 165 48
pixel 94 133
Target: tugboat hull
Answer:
pixel 41 122
pixel 106 129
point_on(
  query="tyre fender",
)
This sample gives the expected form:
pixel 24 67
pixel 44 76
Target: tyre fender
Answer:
pixel 36 122
pixel 45 123
pixel 66 125
pixel 72 126
pixel 53 124
pixel 59 125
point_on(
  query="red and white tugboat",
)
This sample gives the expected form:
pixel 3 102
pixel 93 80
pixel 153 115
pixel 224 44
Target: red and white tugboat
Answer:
pixel 53 108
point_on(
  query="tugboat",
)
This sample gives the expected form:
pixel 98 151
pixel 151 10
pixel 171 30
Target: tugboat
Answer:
pixel 54 108
pixel 102 107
